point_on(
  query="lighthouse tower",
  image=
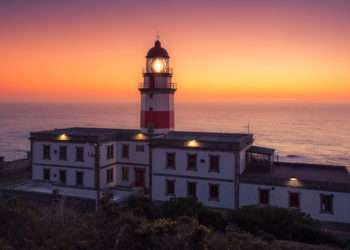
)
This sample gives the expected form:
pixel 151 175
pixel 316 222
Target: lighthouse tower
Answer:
pixel 157 92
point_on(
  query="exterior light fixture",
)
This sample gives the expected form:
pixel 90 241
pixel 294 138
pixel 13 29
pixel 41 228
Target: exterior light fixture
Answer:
pixel 140 136
pixel 193 143
pixel 63 137
pixel 293 179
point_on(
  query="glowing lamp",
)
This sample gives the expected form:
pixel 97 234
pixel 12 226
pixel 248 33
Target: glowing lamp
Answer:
pixel 293 179
pixel 192 143
pixel 158 65
pixel 140 136
pixel 63 137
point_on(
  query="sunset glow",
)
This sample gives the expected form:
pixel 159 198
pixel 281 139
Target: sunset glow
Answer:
pixel 94 51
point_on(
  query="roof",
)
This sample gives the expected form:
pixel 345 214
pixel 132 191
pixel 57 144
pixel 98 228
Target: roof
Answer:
pixel 157 51
pixel 204 140
pixel 261 150
pixel 85 134
pixel 302 175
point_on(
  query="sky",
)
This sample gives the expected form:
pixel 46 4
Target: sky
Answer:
pixel 221 51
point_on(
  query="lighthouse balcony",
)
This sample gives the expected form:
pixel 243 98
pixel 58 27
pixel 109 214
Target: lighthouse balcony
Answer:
pixel 164 86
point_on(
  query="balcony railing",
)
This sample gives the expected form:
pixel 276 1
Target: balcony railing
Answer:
pixel 171 86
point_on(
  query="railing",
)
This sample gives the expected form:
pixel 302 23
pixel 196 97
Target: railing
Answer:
pixel 171 86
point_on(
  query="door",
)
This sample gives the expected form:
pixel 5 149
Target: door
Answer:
pixel 139 177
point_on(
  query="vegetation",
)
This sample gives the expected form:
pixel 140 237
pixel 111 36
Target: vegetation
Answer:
pixel 178 224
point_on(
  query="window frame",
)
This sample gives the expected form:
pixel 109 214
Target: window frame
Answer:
pixel 48 171
pixel 211 197
pixel 138 147
pixel 46 152
pixel 110 152
pixel 62 176
pixel 79 154
pixel 189 183
pixel 125 151
pixel 324 210
pixel 81 173
pixel 260 196
pixel 168 156
pixel 211 169
pixel 290 194
pixel 192 161
pixel 63 153
pixel 109 175
pixel 167 182
pixel 125 170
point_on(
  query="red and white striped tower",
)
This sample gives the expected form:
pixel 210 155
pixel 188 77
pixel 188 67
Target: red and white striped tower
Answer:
pixel 157 92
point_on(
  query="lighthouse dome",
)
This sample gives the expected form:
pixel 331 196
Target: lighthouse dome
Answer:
pixel 157 51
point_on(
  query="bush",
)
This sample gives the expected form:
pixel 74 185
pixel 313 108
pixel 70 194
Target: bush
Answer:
pixel 282 223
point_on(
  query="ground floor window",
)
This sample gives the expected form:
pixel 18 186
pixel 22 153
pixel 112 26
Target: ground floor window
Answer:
pixel 192 189
pixel 79 178
pixel 110 175
pixel 264 196
pixel 294 199
pixel 214 192
pixel 46 174
pixel 125 173
pixel 63 176
pixel 326 203
pixel 170 187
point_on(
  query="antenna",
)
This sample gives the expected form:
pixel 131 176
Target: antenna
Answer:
pixel 248 127
pixel 157 35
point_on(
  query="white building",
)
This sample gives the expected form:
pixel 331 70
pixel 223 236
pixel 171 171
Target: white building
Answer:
pixel 221 170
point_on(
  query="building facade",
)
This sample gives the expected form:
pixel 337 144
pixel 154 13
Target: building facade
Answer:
pixel 221 170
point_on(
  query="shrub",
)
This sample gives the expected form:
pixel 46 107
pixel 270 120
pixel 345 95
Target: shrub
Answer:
pixel 282 223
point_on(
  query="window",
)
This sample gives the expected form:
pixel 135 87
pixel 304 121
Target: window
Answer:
pixel 170 187
pixel 192 162
pixel 125 151
pixel 327 203
pixel 214 163
pixel 294 200
pixel 63 153
pixel 79 178
pixel 125 173
pixel 264 196
pixel 46 174
pixel 110 175
pixel 140 148
pixel 170 160
pixel 79 154
pixel 110 151
pixel 63 176
pixel 47 152
pixel 214 192
pixel 192 189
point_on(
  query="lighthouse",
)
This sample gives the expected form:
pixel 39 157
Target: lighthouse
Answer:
pixel 157 92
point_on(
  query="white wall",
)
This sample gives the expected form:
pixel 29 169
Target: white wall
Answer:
pixel 226 190
pixel 225 178
pixel 37 174
pixel 103 153
pixel 227 163
pixel 89 152
pixel 309 201
pixel 134 156
pixel 70 165
pixel 131 181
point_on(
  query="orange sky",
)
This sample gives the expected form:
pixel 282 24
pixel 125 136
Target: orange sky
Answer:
pixel 94 51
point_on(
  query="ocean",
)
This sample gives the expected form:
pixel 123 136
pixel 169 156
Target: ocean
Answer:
pixel 315 133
